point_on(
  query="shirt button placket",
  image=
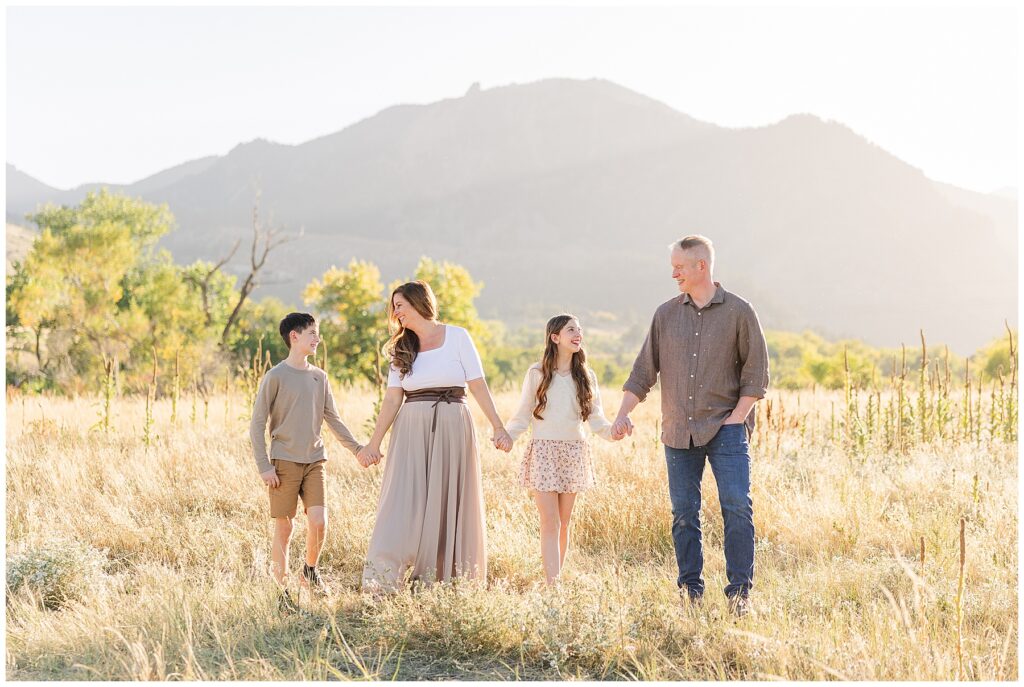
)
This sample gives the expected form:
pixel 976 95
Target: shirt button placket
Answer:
pixel 693 370
pixel 694 360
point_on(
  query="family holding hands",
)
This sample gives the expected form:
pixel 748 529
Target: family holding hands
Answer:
pixel 430 523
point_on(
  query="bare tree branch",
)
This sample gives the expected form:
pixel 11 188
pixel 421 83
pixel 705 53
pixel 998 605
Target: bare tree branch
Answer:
pixel 264 240
pixel 203 284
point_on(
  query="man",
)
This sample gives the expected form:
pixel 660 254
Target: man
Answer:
pixel 708 348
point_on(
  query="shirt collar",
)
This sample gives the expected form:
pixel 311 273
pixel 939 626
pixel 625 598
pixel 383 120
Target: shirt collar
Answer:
pixel 719 296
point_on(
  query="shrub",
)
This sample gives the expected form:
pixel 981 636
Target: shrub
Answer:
pixel 58 573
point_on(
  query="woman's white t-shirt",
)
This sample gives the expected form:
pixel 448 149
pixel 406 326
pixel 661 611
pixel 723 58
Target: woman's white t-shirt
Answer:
pixel 454 363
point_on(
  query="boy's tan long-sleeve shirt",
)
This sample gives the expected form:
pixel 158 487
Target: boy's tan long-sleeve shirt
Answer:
pixel 296 402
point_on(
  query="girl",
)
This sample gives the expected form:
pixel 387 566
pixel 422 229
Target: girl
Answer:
pixel 559 395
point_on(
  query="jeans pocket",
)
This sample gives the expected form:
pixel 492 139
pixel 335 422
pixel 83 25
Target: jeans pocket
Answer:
pixel 733 432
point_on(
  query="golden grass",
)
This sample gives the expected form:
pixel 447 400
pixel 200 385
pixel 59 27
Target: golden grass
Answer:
pixel 840 591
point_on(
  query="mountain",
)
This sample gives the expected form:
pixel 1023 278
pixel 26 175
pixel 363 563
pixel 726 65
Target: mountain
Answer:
pixel 564 194
pixel 24 193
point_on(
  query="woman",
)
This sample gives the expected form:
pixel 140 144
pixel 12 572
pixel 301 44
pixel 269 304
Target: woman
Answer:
pixel 560 394
pixel 430 518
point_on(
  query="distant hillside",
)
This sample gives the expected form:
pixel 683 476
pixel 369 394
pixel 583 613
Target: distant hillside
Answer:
pixel 564 194
pixel 19 243
pixel 24 193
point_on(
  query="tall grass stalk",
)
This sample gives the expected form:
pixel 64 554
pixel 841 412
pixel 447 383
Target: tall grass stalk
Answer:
pixel 1010 426
pixel 922 392
pixel 148 420
pixel 960 605
pixel 108 390
pixel 176 386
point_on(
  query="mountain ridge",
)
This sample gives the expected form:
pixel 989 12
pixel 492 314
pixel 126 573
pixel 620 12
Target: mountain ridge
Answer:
pixel 499 177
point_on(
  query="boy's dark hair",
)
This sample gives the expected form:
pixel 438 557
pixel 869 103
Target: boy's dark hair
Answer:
pixel 295 322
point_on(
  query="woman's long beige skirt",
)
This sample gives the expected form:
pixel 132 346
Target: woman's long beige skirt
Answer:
pixel 430 518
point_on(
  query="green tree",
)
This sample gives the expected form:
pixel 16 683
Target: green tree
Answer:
pixel 167 318
pixel 796 360
pixel 25 340
pixel 72 281
pixel 351 304
pixel 509 365
pixel 456 292
pixel 257 322
pixel 994 357
pixel 217 291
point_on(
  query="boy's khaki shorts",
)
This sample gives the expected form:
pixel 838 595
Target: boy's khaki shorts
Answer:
pixel 297 479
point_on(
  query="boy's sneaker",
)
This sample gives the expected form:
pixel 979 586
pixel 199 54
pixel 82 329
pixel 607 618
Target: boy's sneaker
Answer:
pixel 285 602
pixel 311 580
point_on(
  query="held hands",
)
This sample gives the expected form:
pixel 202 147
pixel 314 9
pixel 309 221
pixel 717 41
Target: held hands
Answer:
pixel 621 427
pixel 502 440
pixel 271 478
pixel 369 455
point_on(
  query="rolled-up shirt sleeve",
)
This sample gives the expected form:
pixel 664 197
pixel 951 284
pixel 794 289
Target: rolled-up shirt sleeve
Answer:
pixel 753 354
pixel 644 374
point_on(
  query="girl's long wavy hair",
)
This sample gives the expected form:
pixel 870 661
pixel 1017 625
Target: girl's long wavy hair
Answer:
pixel 578 368
pixel 403 346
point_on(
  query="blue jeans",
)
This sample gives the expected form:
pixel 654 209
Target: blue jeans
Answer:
pixel 729 455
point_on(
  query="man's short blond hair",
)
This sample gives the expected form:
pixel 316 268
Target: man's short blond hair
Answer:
pixel 701 244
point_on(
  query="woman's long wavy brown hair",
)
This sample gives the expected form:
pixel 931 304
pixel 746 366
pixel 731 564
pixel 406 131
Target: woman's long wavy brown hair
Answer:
pixel 578 367
pixel 403 346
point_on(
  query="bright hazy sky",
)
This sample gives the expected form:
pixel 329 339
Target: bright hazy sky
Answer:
pixel 116 94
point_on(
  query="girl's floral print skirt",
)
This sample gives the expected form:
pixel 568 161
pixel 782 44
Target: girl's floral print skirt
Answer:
pixel 554 465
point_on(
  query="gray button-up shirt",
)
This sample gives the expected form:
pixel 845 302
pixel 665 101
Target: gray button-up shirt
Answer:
pixel 707 358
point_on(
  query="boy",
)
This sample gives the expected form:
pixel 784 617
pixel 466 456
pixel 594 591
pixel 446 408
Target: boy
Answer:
pixel 297 398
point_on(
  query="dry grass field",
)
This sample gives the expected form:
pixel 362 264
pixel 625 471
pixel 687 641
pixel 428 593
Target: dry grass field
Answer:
pixel 134 556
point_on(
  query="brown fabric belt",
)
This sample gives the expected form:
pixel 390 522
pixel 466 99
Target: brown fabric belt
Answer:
pixel 447 394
